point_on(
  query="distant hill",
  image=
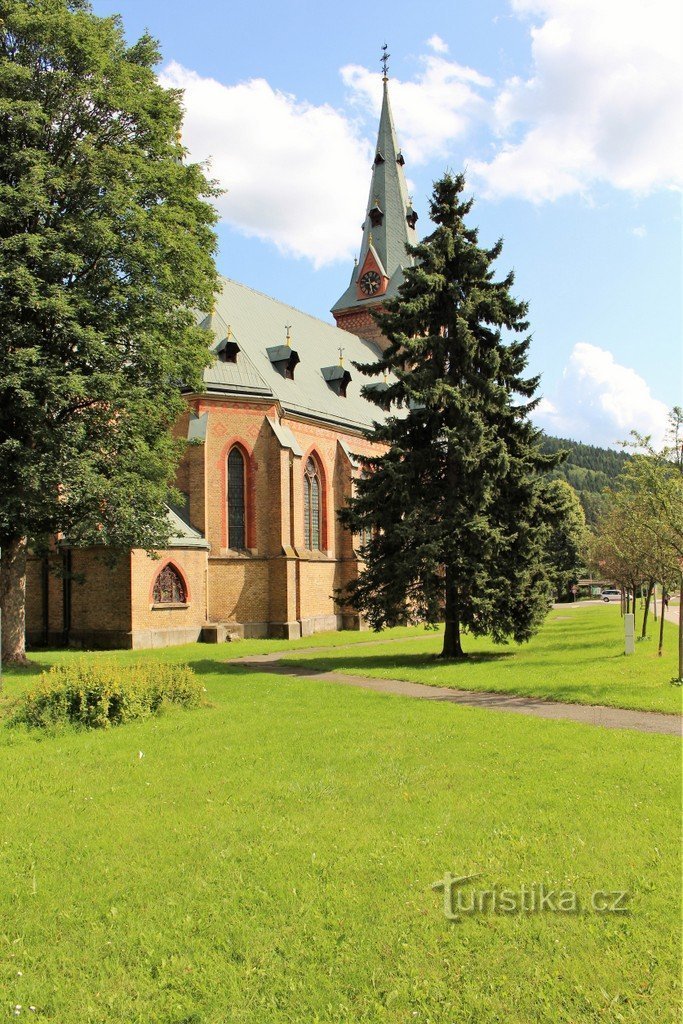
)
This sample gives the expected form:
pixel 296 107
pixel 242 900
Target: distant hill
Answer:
pixel 588 469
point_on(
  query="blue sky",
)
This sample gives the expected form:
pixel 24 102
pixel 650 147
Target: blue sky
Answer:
pixel 566 115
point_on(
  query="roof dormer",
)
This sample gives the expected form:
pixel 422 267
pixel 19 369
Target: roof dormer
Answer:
pixel 283 357
pixel 338 379
pixel 227 348
pixel 376 214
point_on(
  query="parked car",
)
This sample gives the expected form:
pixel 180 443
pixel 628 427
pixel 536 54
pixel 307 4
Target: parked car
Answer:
pixel 610 595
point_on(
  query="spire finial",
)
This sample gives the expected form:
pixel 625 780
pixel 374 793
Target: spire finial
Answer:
pixel 341 356
pixel 288 339
pixel 384 61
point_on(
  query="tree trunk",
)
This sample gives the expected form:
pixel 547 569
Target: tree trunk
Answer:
pixel 13 601
pixel 648 598
pixel 661 624
pixel 680 628
pixel 452 647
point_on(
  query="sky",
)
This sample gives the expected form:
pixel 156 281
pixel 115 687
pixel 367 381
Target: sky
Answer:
pixel 565 115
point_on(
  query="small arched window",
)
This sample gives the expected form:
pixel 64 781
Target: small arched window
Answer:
pixel 169 587
pixel 236 500
pixel 312 502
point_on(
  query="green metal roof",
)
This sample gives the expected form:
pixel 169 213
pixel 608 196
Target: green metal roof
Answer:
pixel 184 535
pixel 389 192
pixel 258 323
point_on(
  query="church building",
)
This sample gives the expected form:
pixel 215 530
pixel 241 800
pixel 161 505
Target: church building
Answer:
pixel 257 549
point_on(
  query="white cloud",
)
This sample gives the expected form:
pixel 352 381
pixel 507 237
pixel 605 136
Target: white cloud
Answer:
pixel 603 103
pixel 437 44
pixel 640 231
pixel 295 174
pixel 599 401
pixel 430 112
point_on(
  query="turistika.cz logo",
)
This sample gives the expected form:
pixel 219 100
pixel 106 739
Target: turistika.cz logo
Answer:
pixel 536 898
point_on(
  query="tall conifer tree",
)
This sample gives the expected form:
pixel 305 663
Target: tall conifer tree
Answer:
pixel 455 511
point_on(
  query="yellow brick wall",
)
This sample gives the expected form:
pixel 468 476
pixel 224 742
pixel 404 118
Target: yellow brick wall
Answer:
pixel 191 564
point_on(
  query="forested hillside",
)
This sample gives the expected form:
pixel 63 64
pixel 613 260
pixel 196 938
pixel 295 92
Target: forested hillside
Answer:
pixel 588 469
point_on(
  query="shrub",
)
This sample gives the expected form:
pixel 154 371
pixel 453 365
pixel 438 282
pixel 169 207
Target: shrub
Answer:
pixel 98 694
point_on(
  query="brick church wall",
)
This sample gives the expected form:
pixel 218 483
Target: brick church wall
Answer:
pixel 156 625
pixel 100 612
pixel 361 323
pixel 276 587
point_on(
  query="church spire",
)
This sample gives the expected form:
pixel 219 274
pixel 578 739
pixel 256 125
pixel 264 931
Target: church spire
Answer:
pixel 388 227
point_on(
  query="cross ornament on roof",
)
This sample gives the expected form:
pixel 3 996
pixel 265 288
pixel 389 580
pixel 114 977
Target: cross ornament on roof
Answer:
pixel 384 61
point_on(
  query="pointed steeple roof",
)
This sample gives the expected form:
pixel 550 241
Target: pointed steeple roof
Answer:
pixel 389 223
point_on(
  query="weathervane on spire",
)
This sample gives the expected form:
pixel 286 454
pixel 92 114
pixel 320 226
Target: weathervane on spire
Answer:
pixel 384 61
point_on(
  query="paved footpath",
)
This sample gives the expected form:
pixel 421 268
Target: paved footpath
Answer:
pixel 588 714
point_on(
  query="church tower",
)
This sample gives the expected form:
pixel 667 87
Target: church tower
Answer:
pixel 388 226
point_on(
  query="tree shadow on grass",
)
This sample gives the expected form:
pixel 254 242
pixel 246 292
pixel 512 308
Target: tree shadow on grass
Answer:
pixel 385 662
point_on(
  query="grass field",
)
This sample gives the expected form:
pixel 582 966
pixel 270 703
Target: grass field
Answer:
pixel 577 657
pixel 269 858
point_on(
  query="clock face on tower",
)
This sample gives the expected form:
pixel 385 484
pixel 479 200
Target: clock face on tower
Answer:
pixel 370 282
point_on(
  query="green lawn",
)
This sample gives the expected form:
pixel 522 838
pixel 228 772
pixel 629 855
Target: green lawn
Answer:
pixel 577 657
pixel 270 859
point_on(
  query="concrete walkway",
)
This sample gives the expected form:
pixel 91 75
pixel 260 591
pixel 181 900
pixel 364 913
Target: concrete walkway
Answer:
pixel 588 714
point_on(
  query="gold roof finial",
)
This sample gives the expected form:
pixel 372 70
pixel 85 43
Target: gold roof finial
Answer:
pixel 288 339
pixel 341 356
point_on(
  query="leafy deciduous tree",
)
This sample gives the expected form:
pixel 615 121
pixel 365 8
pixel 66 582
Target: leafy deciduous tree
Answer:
pixel 106 248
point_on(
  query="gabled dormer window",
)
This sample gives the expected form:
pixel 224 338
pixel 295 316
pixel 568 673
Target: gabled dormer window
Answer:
pixel 411 217
pixel 379 159
pixel 227 349
pixel 376 215
pixel 399 159
pixel 338 379
pixel 284 359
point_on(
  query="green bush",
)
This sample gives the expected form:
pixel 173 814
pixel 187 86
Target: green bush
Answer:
pixel 98 694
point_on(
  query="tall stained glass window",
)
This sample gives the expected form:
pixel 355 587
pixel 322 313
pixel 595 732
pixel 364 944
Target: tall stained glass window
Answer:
pixel 236 501
pixel 312 499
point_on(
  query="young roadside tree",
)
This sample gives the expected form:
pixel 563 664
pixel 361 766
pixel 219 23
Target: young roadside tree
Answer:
pixel 650 494
pixel 456 512
pixel 106 251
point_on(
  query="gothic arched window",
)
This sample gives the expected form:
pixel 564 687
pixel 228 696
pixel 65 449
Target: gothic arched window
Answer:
pixel 169 587
pixel 312 503
pixel 236 500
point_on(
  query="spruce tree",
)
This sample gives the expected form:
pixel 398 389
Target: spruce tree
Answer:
pixel 106 251
pixel 456 515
